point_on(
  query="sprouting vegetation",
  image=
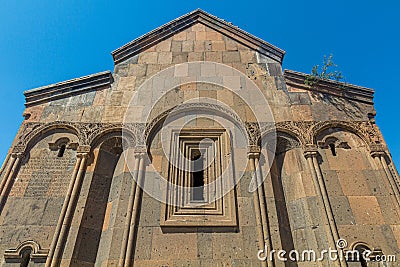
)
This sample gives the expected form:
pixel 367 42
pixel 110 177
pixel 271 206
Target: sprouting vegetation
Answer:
pixel 328 71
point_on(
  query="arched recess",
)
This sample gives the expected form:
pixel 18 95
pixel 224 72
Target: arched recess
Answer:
pixel 171 114
pixel 182 239
pixel 92 236
pixel 359 194
pixel 39 132
pixel 356 129
pixel 37 189
pixel 290 193
pixel 360 254
pixel 276 153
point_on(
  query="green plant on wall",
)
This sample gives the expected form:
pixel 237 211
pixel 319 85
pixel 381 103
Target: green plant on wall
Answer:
pixel 325 72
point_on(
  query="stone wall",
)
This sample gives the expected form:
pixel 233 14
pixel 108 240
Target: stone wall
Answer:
pixel 330 160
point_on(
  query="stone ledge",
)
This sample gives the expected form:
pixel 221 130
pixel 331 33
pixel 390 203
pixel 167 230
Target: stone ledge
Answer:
pixel 350 91
pixel 68 88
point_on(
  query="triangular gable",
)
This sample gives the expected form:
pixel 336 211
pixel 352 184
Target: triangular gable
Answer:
pixel 198 16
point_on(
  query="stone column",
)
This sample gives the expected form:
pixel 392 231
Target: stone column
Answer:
pixel 311 154
pixel 140 158
pixel 259 205
pixel 63 211
pixel 5 164
pixel 378 153
pixel 67 213
pixel 11 171
pixel 264 208
pixel 129 212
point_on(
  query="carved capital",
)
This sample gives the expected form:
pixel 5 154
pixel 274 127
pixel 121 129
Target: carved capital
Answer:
pixel 140 151
pixel 253 132
pixel 18 149
pixel 310 150
pixel 253 151
pixel 83 149
pixel 377 150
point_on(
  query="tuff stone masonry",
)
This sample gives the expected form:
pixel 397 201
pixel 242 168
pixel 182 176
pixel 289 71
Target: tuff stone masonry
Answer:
pixel 71 188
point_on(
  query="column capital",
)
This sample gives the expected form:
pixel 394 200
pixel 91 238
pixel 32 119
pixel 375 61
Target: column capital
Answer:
pixel 140 151
pixel 310 150
pixel 17 155
pixel 83 151
pixel 253 152
pixel 377 150
pixel 18 151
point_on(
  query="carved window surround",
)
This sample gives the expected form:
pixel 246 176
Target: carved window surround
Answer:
pixel 214 145
pixel 37 253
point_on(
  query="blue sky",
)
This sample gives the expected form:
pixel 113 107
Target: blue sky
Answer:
pixel 43 42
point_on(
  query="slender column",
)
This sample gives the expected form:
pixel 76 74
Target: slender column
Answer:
pixel 131 238
pixel 9 176
pixel 62 214
pixel 129 213
pixel 311 154
pixel 71 207
pixel 6 175
pixel 389 173
pixel 379 157
pixel 4 164
pixel 263 205
pixel 256 198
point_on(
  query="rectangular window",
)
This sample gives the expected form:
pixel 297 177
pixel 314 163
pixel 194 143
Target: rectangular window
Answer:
pixel 198 159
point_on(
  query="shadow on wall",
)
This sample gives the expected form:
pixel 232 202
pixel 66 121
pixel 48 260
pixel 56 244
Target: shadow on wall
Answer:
pixel 90 230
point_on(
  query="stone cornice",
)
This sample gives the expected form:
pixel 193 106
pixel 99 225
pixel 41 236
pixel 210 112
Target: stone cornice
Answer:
pixel 152 38
pixel 349 91
pixel 68 88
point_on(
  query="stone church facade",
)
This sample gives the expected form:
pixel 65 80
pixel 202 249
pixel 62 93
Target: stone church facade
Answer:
pixel 104 170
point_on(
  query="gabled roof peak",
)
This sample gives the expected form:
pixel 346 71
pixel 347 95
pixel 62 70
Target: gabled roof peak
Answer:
pixel 197 16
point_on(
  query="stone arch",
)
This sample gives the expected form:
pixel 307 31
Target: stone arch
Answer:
pixel 36 252
pixel 101 136
pixel 319 128
pixel 107 148
pixel 154 125
pixel 272 137
pixel 32 133
pixel 358 244
pixel 283 152
pixel 286 142
pixel 357 250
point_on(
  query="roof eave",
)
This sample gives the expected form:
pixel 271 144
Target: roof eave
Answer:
pixel 67 88
pixel 340 89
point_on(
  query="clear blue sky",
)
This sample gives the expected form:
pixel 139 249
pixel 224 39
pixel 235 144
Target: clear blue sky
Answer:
pixel 42 42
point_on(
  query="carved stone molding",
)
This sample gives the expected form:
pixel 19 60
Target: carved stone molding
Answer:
pixel 253 151
pixel 137 134
pixel 286 142
pixel 224 112
pixel 298 129
pixel 306 131
pixel 253 133
pixel 310 150
pixel 364 129
pixel 37 253
pixel 332 140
